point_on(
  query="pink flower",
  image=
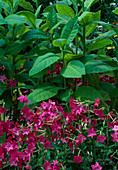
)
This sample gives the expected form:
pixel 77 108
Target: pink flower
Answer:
pixel 2 110
pixel 47 165
pixel 97 102
pixel 2 78
pixel 24 99
pixel 91 133
pixel 115 128
pixel 47 144
pixel 96 166
pixel 115 136
pixel 77 159
pixel 28 167
pixel 80 139
pixel 101 138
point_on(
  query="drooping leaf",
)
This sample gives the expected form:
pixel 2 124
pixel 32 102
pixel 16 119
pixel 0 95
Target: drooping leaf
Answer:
pixel 70 30
pixel 87 93
pixel 97 66
pixel 29 17
pixel 38 10
pixel 65 10
pixel 26 5
pixel 14 19
pixel 42 93
pixel 43 62
pixel 98 44
pixel 74 69
pixel 37 34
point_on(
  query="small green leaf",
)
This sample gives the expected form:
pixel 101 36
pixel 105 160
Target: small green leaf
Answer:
pixel 65 10
pixel 43 62
pixel 38 10
pixel 43 93
pixel 65 95
pixel 74 69
pixel 115 11
pixel 26 5
pixel 59 43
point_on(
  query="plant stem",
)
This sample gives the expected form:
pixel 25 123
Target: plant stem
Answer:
pixel 62 52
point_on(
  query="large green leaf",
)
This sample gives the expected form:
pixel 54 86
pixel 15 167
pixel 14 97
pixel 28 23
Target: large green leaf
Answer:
pixel 37 34
pixel 26 5
pixel 14 19
pixel 114 92
pixel 65 10
pixel 97 66
pixel 29 17
pixel 106 86
pixel 42 93
pixel 70 30
pixel 62 18
pixel 98 44
pixel 51 19
pixel 2 87
pixel 43 62
pixel 74 69
pixel 87 93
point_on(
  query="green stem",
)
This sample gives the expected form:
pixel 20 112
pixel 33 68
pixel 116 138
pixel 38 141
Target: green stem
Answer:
pixel 62 52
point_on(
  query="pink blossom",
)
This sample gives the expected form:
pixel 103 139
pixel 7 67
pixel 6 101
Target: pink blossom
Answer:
pixel 28 167
pixel 47 165
pixel 115 136
pixel 80 139
pixel 77 159
pixel 47 144
pixel 101 138
pixel 91 133
pixel 96 166
pixel 115 128
pixel 2 110
pixel 2 78
pixel 97 102
pixel 23 98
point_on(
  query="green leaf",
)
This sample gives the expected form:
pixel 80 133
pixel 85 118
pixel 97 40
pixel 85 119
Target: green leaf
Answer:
pixel 2 52
pixel 37 34
pixel 98 44
pixel 2 138
pixel 115 11
pixel 106 86
pixel 26 5
pixel 74 69
pixel 93 80
pixel 14 19
pixel 114 92
pixel 29 17
pixel 38 10
pixel 42 93
pixel 65 10
pixel 2 87
pixel 62 18
pixel 59 43
pixel 65 95
pixel 51 19
pixel 97 66
pixel 15 5
pixel 70 30
pixel 8 66
pixel 16 47
pixel 43 62
pixel 55 27
pixel 2 21
pixel 87 93
pixel 88 4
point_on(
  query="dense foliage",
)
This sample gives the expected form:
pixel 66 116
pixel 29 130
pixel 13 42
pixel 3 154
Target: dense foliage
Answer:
pixel 64 53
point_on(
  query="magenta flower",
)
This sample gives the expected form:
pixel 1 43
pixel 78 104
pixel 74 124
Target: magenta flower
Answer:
pixel 91 133
pixel 47 144
pixel 24 99
pixel 101 138
pixel 28 167
pixel 115 128
pixel 97 102
pixel 77 159
pixel 2 78
pixel 80 139
pixel 47 165
pixel 96 166
pixel 2 110
pixel 115 136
